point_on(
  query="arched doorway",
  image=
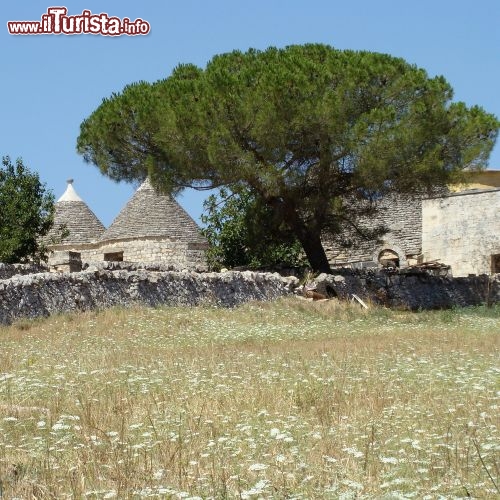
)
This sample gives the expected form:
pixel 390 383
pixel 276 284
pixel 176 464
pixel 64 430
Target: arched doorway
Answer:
pixel 390 255
pixel 388 258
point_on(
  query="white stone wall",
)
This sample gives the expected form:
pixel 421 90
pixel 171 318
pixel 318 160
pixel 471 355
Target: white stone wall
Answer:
pixel 462 230
pixel 146 250
pixel 88 252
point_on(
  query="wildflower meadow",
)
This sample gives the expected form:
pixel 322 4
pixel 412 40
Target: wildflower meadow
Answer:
pixel 287 400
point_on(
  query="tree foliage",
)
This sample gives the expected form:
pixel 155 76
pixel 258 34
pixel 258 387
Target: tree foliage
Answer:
pixel 244 232
pixel 26 213
pixel 318 135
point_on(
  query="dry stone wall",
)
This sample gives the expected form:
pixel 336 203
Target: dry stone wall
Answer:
pixel 413 291
pixel 9 270
pixel 115 284
pixel 43 294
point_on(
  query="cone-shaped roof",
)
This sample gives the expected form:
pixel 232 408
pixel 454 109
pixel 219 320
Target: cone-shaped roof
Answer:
pixel 150 213
pixel 81 223
pixel 70 194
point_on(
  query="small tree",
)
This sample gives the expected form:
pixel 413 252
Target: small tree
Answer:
pixel 26 213
pixel 244 232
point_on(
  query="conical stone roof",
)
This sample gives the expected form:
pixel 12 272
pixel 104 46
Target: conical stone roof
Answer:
pixel 81 223
pixel 152 214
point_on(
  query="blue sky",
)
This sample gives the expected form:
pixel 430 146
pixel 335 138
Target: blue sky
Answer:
pixel 50 83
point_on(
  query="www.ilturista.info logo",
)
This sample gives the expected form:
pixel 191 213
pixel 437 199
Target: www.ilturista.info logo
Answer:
pixel 57 22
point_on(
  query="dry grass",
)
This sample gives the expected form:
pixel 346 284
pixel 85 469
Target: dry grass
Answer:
pixel 284 400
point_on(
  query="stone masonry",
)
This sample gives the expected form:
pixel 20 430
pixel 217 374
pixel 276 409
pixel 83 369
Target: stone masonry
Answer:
pixel 152 227
pixel 403 217
pixel 463 231
pixel 121 284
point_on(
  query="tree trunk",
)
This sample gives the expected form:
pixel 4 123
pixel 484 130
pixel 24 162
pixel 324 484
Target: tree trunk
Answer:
pixel 309 238
pixel 311 243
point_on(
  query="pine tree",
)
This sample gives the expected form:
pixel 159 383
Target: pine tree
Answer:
pixel 318 135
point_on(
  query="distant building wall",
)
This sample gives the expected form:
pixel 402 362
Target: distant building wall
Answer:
pixel 146 250
pixel 463 231
pixel 403 217
pixel 486 179
pixel 157 250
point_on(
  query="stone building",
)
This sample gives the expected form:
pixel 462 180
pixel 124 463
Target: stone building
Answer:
pixel 151 228
pixel 463 231
pixel 487 179
pixel 81 223
pixel 460 228
pixel 400 246
pixel 76 231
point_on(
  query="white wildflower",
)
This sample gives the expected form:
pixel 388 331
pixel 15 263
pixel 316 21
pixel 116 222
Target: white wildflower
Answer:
pixel 352 484
pixel 353 451
pixel 257 489
pixel 257 467
pixel 159 474
pixel 59 426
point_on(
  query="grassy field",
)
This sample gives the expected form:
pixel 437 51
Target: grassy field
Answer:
pixel 283 400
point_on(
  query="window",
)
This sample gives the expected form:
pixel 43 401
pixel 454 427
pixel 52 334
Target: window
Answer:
pixel 113 257
pixel 495 263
